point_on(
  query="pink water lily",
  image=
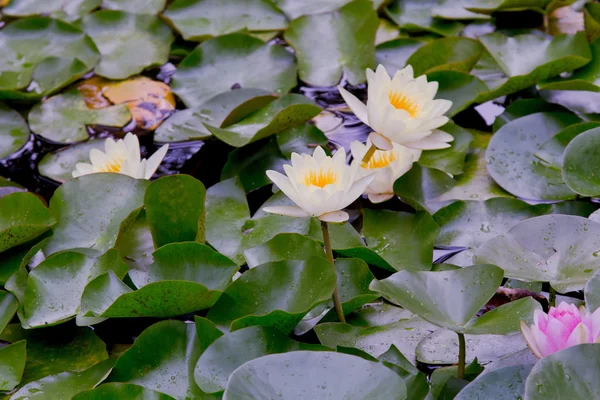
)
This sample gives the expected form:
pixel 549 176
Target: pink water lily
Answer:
pixel 564 326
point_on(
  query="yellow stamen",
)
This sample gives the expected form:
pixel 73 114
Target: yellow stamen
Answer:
pixel 400 101
pixel 380 159
pixel 320 178
pixel 113 166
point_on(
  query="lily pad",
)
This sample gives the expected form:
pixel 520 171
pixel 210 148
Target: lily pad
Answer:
pixel 502 384
pixel 199 20
pixel 560 249
pixel 348 50
pixel 8 308
pixel 33 68
pixel 586 78
pixel 580 159
pixel 275 294
pixel 135 245
pixel 175 209
pixel 297 8
pixel 301 139
pixel 452 159
pixel 281 114
pixel 135 6
pixel 119 37
pixel 64 118
pixel 59 165
pixel 446 54
pixel 513 166
pixel 455 10
pixel 232 350
pixel 308 374
pixel 449 299
pixel 23 217
pixel 511 64
pixel 216 66
pixel 394 54
pixel 489 6
pixel 73 350
pixel 14 131
pixel 459 87
pixel 553 150
pixel 70 11
pixel 189 124
pixel 185 277
pixel 162 358
pixel 12 365
pixel 121 391
pixel 66 384
pixel 416 16
pixel 91 211
pixel 592 293
pixel 284 246
pixel 55 286
pixel 522 107
pixel 569 373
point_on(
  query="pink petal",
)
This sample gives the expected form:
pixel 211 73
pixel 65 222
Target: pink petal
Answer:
pixel 578 336
pixel 544 344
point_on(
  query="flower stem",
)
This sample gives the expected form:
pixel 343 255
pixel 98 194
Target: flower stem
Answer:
pixel 462 355
pixel 367 157
pixel 551 297
pixel 337 302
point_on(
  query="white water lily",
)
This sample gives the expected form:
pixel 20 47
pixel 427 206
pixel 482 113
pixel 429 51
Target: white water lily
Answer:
pixel 402 110
pixel 123 157
pixel 321 186
pixel 387 165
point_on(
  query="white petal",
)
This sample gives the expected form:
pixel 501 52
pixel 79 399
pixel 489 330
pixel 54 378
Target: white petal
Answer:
pixel 336 217
pixel 358 149
pixel 141 170
pixel 98 158
pixel 442 136
pixel 110 146
pixel 380 197
pixel 380 141
pixel 358 107
pixel 155 160
pixel 319 154
pixel 427 143
pixel 287 210
pixel 285 185
pixel 530 339
pixel 356 190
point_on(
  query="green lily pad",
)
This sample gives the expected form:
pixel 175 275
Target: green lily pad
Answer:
pixel 513 166
pixel 586 78
pixel 199 20
pixel 446 54
pixel 348 50
pixel 297 8
pixel 71 11
pixel 400 241
pixel 60 164
pixel 66 384
pixel 452 159
pixel 188 124
pixel 121 391
pixel 93 209
pixel 441 347
pixel 405 334
pixel 236 60
pixel 119 37
pixel 394 54
pixel 309 374
pixel 511 64
pixel 275 294
pixel 12 365
pixel 416 382
pixel 185 277
pixel 284 246
pixel 135 6
pixel 300 139
pixel 232 350
pixel 459 87
pixel 14 131
pixel 455 10
pixel 580 159
pixel 591 292
pixel 503 384
pixel 162 358
pixel 449 299
pixel 8 308
pixel 553 150
pixel 7 187
pixel 416 16
pixel 64 118
pixel 175 209
pixel 560 249
pixel 570 373
pixel 23 217
pixel 73 350
pixel 522 107
pixel 135 245
pixel 55 286
pixel 281 114
pixel 42 66
pixel 489 6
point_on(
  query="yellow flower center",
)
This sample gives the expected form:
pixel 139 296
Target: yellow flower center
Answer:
pixel 320 178
pixel 380 159
pixel 113 166
pixel 400 101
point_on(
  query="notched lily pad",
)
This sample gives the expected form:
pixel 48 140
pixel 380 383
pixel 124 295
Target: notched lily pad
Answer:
pixel 14 131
